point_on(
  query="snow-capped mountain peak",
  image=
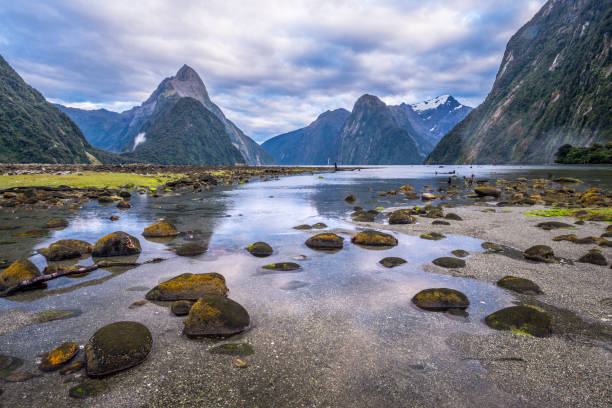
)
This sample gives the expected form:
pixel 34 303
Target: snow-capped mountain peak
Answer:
pixel 430 103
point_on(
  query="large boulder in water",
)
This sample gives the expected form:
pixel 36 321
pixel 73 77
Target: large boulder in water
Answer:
pixel 18 271
pixel 521 319
pixel 66 249
pixel 160 229
pixel 440 299
pixel 519 285
pixel 216 316
pixel 191 249
pixel 403 216
pixel 116 347
pixel 189 286
pixel 540 253
pixel 449 262
pixel 595 257
pixel 487 191
pixel 374 238
pixel 391 261
pixel 260 249
pixel 327 241
pixel 116 244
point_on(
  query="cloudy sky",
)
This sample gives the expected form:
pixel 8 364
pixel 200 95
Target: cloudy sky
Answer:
pixel 272 66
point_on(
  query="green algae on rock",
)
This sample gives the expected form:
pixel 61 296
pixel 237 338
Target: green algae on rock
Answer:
pixel 88 388
pixel 216 316
pixel 52 315
pixel 492 247
pixel 403 216
pixel 453 217
pixel 374 238
pixel 440 299
pixel 325 241
pixel 392 261
pixel 460 253
pixel 303 227
pixel 66 249
pixel 160 229
pixel 117 243
pixel 233 349
pixel 282 267
pixel 117 346
pixel 449 262
pixel 191 249
pixel 522 319
pixel 519 285
pixel 59 356
pixel 189 286
pixel 432 236
pixel 540 253
pixel 56 223
pixel 8 364
pixel 260 249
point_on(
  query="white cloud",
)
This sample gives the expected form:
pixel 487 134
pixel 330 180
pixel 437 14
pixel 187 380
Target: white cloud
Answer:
pixel 271 65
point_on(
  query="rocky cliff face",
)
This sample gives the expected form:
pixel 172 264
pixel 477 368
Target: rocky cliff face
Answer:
pixel 314 144
pixel 371 136
pixel 186 83
pixel 34 131
pixel 553 87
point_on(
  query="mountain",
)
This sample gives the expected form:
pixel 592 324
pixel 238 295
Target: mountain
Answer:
pixel 314 144
pixel 425 122
pixel 553 88
pixel 371 136
pixel 119 132
pixel 185 133
pixel 34 131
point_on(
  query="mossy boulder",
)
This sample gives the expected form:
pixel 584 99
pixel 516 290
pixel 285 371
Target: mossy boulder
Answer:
pixel 392 261
pixel 566 237
pixel 319 225
pixel 521 319
pixel 595 257
pixel 116 347
pixel 160 229
pixel 432 236
pixel 57 223
pixel 181 307
pixel 460 253
pixel 449 262
pixel 116 244
pixel 540 253
pixel 364 216
pixel 519 285
pixel 282 267
pixel 18 271
pixel 403 216
pixel 59 356
pixel 487 191
pixel 374 238
pixel 189 286
pixel 350 198
pixel 106 200
pixel 260 249
pixel 440 299
pixel 453 217
pixel 124 205
pixel 191 249
pixel 66 249
pixel 233 349
pixel 492 247
pixel 434 213
pixel 216 316
pixel 325 241
pixel 550 225
pixel 303 227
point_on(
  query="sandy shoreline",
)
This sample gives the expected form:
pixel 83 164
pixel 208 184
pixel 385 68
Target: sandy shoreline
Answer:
pixel 571 368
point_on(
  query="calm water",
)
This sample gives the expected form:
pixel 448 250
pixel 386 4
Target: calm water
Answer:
pixel 349 283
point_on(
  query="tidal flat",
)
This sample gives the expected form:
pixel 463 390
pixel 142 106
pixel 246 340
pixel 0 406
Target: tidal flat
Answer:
pixel 341 328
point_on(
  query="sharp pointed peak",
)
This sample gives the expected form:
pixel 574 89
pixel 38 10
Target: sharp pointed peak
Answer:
pixel 186 73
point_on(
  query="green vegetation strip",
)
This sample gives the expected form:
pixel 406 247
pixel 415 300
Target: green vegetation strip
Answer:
pixel 85 179
pixel 571 212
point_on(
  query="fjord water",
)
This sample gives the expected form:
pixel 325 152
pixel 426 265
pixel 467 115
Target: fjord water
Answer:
pixel 340 329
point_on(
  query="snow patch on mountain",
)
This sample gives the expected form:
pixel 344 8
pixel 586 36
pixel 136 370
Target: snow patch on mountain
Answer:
pixel 430 103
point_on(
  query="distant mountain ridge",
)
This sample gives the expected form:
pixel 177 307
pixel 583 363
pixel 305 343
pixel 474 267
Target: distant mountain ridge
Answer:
pixel 33 130
pixel 318 143
pixel 553 87
pixel 118 131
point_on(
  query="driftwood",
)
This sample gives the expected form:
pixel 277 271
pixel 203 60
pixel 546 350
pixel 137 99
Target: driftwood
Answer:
pixel 32 283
